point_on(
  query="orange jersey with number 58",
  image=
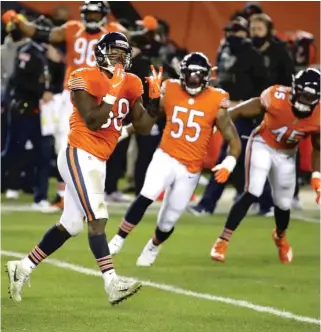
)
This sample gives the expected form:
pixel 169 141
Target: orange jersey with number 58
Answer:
pixel 189 122
pixel 101 143
pixel 80 45
pixel 280 128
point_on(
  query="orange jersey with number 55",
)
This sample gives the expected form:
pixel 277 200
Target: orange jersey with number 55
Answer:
pixel 80 45
pixel 280 128
pixel 101 143
pixel 189 122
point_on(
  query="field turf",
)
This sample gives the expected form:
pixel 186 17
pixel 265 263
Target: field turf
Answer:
pixel 65 300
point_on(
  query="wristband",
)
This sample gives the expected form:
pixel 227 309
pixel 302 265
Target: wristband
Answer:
pixel 109 99
pixel 153 108
pixel 229 163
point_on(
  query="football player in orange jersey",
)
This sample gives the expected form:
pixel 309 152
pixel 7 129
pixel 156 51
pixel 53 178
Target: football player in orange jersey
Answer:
pixel 80 38
pixel 290 115
pixel 102 97
pixel 192 109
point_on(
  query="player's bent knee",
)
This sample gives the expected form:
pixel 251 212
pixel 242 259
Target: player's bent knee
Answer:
pixel 165 227
pixel 73 228
pixel 283 203
pixel 255 192
pixel 97 226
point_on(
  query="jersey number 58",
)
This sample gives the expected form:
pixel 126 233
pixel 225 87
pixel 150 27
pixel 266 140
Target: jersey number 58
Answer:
pixel 123 110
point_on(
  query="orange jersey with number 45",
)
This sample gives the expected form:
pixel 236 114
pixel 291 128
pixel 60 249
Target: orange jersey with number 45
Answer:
pixel 101 143
pixel 80 45
pixel 280 128
pixel 189 122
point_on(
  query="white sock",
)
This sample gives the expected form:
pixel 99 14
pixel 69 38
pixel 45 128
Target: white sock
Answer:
pixel 28 264
pixel 109 276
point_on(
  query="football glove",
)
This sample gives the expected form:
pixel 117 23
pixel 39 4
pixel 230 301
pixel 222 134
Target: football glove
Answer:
pixel 116 83
pixel 154 82
pixel 10 16
pixel 316 185
pixel 223 170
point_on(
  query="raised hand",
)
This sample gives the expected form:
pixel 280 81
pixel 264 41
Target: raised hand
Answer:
pixel 154 82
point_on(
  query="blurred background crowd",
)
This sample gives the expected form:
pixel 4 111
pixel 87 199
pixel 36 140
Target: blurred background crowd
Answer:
pixel 248 53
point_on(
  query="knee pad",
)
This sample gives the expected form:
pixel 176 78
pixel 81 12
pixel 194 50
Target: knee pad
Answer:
pixel 168 220
pixel 283 203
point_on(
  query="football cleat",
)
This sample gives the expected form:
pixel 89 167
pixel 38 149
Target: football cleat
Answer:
pixel 18 276
pixel 119 290
pixel 285 251
pixel 148 255
pixel 115 244
pixel 218 250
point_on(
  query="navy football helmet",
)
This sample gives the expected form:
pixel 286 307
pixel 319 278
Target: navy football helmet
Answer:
pixel 113 48
pixel 305 92
pixel 94 15
pixel 195 72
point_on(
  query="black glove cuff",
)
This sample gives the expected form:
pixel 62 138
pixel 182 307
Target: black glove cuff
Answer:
pixel 41 35
pixel 153 108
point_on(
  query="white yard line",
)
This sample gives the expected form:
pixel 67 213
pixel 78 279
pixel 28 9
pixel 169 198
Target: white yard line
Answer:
pixel 181 291
pixel 121 208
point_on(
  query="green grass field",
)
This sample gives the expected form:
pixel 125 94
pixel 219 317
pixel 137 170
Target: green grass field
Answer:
pixel 62 300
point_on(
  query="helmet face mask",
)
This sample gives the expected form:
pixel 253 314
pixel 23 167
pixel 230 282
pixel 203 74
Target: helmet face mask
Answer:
pixel 195 73
pixel 93 15
pixel 305 92
pixel 111 49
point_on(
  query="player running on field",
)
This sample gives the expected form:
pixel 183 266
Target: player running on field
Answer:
pixel 80 38
pixel 291 113
pixel 102 97
pixel 192 109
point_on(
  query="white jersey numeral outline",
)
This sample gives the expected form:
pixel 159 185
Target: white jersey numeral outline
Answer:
pixel 191 123
pixel 85 51
pixel 121 115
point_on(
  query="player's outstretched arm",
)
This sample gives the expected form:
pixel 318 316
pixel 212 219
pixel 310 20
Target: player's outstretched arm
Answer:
pixel 144 119
pixel 315 162
pixel 248 109
pixel 29 29
pixel 93 115
pixel 225 125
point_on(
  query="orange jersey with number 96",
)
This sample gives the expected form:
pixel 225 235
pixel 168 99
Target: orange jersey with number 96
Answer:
pixel 80 45
pixel 189 122
pixel 101 143
pixel 280 128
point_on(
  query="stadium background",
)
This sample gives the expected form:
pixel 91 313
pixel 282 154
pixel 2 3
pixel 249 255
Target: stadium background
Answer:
pixel 190 21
